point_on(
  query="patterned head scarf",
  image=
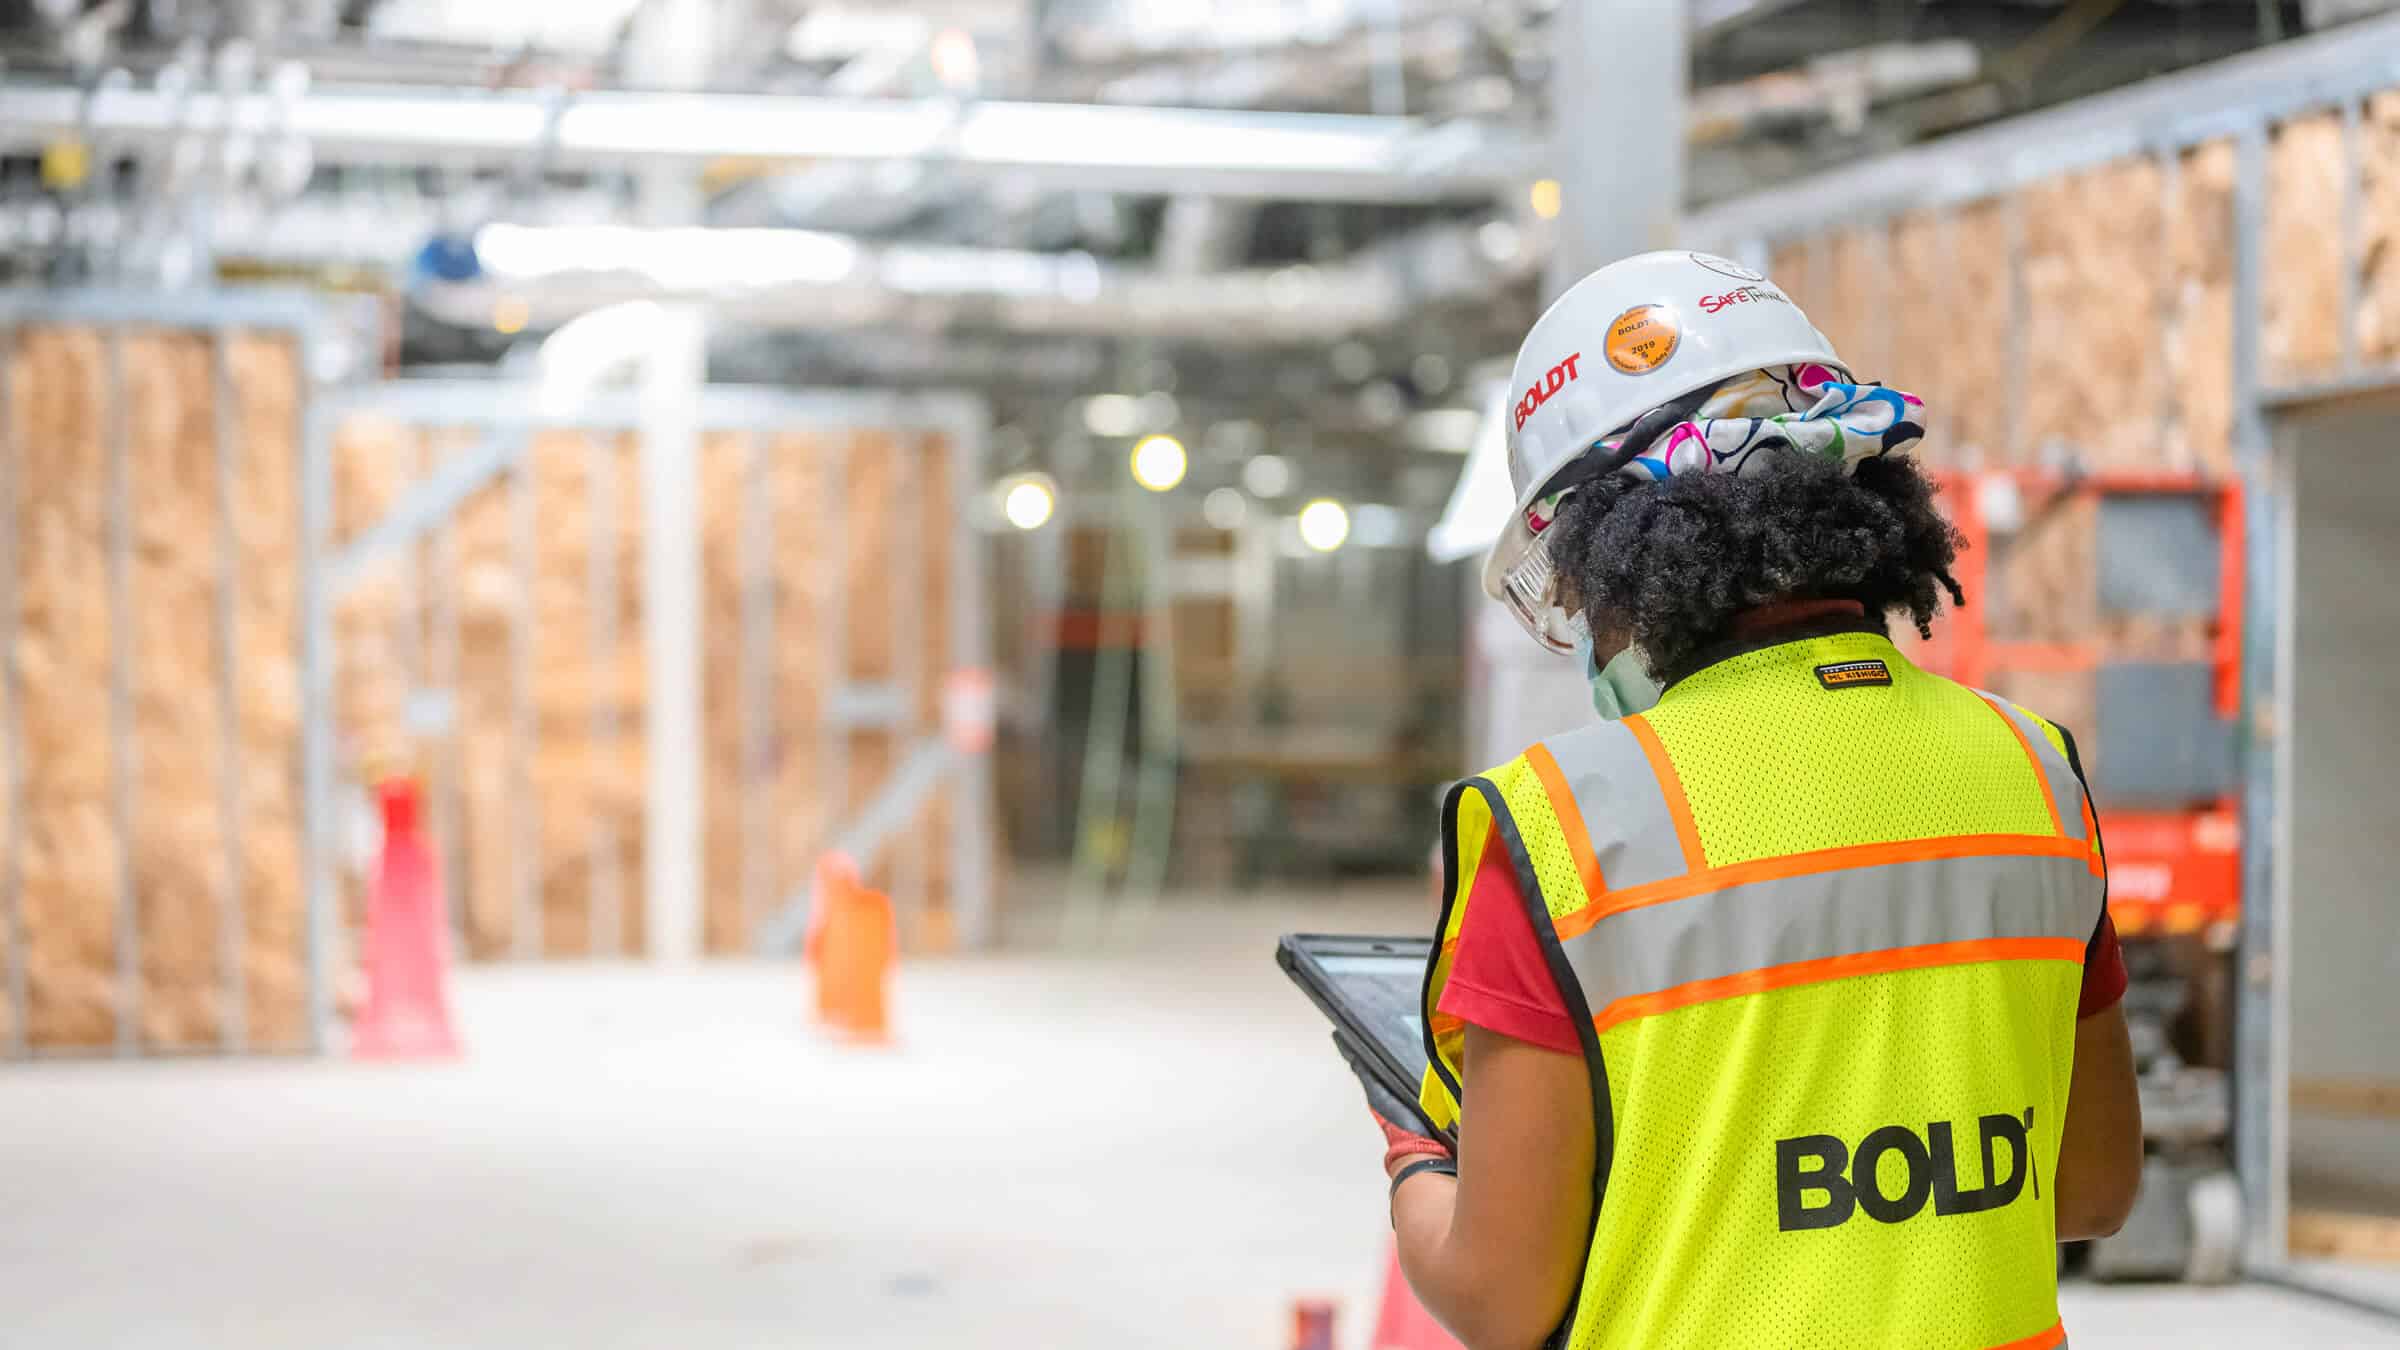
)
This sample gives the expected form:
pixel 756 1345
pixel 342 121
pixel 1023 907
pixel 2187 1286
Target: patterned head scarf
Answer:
pixel 1811 409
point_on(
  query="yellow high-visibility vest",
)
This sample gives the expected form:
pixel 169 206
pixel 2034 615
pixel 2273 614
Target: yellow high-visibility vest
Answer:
pixel 1821 918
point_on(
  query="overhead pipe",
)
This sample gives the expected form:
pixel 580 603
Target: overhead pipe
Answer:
pixel 1306 156
pixel 801 279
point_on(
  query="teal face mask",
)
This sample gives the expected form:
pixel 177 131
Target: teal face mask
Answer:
pixel 1621 688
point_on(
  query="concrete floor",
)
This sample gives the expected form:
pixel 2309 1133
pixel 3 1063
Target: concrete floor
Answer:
pixel 1155 1149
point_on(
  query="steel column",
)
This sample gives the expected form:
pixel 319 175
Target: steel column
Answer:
pixel 973 830
pixel 906 587
pixel 317 748
pixel 2351 234
pixel 234 1025
pixel 755 734
pixel 1622 194
pixel 12 724
pixel 2262 1031
pixel 524 810
pixel 118 450
pixel 441 677
pixel 607 877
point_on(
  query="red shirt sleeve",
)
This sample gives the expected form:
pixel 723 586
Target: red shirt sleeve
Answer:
pixel 2103 970
pixel 1500 980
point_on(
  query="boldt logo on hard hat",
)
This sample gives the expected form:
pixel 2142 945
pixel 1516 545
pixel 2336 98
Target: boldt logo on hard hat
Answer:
pixel 1643 338
pixel 1560 376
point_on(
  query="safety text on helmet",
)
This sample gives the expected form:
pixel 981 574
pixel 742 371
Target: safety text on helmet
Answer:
pixel 1560 376
pixel 1815 1165
pixel 1742 295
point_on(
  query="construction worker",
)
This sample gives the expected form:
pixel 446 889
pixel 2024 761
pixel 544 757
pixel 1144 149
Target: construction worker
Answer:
pixel 1780 1006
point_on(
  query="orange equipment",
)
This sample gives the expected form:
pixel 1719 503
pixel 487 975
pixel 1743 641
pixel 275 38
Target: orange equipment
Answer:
pixel 853 943
pixel 2170 872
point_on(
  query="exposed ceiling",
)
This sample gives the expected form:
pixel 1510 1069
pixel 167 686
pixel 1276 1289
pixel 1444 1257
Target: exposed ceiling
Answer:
pixel 1057 267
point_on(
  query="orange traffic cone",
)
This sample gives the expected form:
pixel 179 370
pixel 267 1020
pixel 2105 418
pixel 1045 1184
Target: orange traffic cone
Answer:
pixel 407 1014
pixel 853 942
pixel 1402 1323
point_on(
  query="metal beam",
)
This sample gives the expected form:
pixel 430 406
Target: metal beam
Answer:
pixel 1180 151
pixel 2221 99
pixel 427 505
pixel 901 798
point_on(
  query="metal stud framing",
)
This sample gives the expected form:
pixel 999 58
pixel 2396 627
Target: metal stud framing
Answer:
pixel 232 939
pixel 508 419
pixel 12 726
pixel 314 323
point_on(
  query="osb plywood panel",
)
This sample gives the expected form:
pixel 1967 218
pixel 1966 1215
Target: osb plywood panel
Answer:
pixel 2042 579
pixel 2379 242
pixel 2092 371
pixel 1921 353
pixel 2303 283
pixel 1839 289
pixel 67 649
pixel 1982 323
pixel 2199 333
pixel 1792 268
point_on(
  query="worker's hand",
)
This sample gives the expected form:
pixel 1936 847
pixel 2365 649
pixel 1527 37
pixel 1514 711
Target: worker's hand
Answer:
pixel 1402 1145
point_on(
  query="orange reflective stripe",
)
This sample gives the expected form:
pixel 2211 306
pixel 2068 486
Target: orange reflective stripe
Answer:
pixel 1808 864
pixel 2056 1335
pixel 1446 1024
pixel 1838 968
pixel 1671 784
pixel 1570 820
pixel 2040 774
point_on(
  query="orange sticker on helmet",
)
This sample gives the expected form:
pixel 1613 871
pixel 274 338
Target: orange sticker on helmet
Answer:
pixel 1643 338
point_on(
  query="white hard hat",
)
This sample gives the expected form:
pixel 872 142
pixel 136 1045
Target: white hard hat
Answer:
pixel 1636 337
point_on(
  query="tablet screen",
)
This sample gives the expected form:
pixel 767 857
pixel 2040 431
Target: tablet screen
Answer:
pixel 1382 992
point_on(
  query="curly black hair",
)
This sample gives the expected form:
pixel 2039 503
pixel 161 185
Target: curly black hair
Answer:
pixel 1671 563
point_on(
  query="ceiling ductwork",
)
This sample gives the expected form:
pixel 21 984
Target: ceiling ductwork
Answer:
pixel 1126 150
pixel 807 280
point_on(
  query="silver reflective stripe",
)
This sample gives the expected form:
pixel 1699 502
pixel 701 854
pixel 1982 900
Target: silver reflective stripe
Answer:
pixel 1623 808
pixel 1851 912
pixel 2066 791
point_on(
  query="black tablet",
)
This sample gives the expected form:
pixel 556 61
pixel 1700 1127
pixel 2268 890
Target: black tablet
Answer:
pixel 1369 987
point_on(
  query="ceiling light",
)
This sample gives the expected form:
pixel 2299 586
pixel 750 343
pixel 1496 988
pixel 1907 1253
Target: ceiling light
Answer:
pixel 1028 501
pixel 1159 462
pixel 1499 241
pixel 1225 509
pixel 1267 476
pixel 1547 198
pixel 1112 415
pixel 1324 525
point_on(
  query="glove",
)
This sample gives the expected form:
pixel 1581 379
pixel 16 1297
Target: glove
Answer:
pixel 1400 1142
